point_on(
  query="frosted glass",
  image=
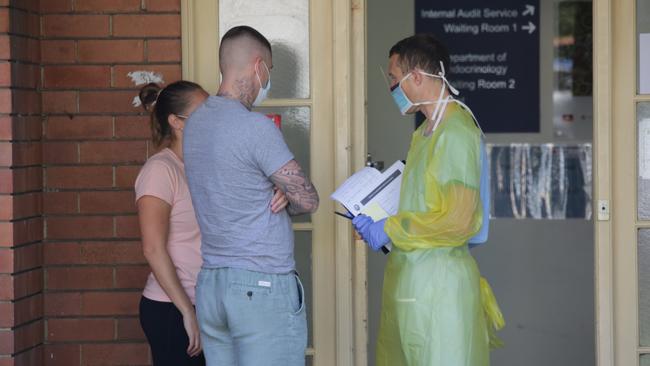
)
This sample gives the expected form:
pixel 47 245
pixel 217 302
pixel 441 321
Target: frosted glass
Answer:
pixel 643 160
pixel 645 360
pixel 296 123
pixel 303 252
pixel 642 26
pixel 643 255
pixel 285 23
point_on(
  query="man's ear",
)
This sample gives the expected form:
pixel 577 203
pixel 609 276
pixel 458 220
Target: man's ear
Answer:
pixel 257 66
pixel 417 77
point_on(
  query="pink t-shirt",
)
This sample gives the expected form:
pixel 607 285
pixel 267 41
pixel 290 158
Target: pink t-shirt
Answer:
pixel 163 176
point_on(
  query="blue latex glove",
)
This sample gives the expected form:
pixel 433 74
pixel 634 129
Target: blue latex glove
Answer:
pixel 371 232
pixel 360 221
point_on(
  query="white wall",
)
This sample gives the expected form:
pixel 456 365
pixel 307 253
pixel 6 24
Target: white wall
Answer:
pixel 541 271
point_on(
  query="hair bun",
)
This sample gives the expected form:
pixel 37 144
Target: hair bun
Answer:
pixel 149 95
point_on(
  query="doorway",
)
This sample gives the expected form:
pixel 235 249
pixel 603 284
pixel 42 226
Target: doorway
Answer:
pixel 539 262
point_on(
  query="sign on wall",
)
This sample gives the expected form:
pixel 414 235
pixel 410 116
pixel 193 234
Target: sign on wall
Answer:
pixel 494 51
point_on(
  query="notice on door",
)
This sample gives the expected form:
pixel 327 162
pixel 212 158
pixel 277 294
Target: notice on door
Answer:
pixel 494 52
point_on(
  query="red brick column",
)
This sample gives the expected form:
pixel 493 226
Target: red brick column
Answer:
pixel 94 142
pixel 21 225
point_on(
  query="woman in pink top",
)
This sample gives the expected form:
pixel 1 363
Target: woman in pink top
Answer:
pixel 170 234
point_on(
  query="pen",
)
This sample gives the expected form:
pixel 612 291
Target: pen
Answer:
pixel 384 249
pixel 344 215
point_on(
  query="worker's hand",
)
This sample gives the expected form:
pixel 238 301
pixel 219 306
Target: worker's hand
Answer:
pixel 279 201
pixel 360 222
pixel 371 232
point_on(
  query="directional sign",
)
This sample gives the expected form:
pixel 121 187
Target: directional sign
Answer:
pixel 530 27
pixel 529 10
pixel 494 51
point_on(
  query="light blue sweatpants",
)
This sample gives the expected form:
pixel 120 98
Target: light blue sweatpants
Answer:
pixel 251 318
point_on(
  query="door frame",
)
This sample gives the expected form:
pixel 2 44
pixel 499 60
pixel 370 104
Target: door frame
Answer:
pixel 338 51
pixel 615 103
pixel 614 95
pixel 624 178
pixel 602 170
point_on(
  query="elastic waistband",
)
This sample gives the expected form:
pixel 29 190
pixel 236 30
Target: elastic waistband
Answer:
pixel 240 272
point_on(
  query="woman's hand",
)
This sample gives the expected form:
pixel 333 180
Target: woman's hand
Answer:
pixel 153 214
pixel 279 201
pixel 192 328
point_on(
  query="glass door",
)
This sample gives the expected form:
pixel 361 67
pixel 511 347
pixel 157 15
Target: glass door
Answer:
pixel 288 25
pixel 630 157
pixel 301 101
pixel 642 111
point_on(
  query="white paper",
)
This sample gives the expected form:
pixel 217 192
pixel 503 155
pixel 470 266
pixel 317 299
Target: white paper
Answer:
pixel 354 186
pixel 368 187
pixel 644 149
pixel 644 63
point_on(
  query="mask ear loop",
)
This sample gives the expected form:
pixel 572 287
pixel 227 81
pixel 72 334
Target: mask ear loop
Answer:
pixel 259 79
pixel 268 72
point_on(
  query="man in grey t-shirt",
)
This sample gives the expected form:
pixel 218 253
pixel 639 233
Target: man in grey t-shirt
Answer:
pixel 250 302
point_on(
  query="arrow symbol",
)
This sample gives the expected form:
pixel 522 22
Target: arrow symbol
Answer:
pixel 530 10
pixel 530 27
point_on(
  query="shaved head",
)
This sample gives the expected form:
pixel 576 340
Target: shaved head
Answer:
pixel 240 47
pixel 245 61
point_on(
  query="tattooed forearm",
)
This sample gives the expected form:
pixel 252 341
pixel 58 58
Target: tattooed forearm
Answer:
pixel 301 194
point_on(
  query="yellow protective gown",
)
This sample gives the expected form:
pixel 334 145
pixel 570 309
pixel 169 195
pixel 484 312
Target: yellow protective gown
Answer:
pixel 436 309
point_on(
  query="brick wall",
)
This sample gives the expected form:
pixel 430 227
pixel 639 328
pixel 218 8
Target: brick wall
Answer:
pixel 94 142
pixel 21 224
pixel 71 143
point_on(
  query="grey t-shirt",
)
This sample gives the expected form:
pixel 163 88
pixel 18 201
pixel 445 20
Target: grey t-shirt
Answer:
pixel 229 154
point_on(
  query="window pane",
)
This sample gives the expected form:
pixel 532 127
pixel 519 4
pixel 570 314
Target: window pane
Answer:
pixel 296 123
pixel 573 71
pixel 644 286
pixel 285 23
pixel 643 199
pixel 304 267
pixel 645 360
pixel 643 29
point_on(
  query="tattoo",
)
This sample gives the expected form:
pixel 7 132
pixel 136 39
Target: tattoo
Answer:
pixel 301 194
pixel 225 94
pixel 245 89
pixel 241 90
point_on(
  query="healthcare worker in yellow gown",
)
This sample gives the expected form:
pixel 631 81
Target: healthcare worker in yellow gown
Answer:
pixel 436 309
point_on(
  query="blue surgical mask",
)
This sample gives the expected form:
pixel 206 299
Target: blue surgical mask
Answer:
pixel 264 90
pixel 400 98
pixel 404 103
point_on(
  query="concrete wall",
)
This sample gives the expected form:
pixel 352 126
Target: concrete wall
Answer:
pixel 541 271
